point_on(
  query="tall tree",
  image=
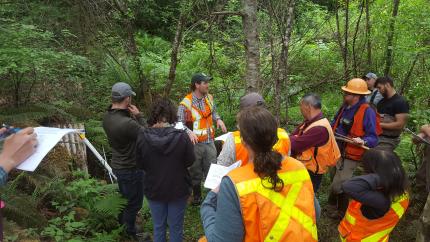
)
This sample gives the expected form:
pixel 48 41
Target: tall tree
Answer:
pixel 354 40
pixel 176 44
pixel 345 51
pixel 390 38
pixel 252 45
pixel 343 44
pixel 286 37
pixel 281 12
pixel 368 36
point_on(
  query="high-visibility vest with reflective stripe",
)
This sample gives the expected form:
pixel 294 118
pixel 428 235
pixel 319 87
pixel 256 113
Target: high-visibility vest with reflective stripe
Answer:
pixel 355 227
pixel 326 155
pixel 202 123
pixel 288 215
pixel 282 146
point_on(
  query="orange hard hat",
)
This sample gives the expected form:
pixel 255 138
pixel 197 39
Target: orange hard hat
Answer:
pixel 356 86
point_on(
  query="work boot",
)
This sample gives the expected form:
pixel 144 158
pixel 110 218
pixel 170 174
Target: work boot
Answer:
pixel 197 196
pixel 141 237
pixel 343 202
pixel 332 199
pixel 331 209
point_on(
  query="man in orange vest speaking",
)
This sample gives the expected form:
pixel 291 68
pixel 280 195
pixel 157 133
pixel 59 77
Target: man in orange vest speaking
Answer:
pixel 313 141
pixel 233 149
pixel 355 121
pixel 197 112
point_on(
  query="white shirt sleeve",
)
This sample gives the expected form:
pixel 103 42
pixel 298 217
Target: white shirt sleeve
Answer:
pixel 228 152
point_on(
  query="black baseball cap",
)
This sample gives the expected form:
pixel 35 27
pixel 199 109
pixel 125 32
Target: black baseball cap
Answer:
pixel 200 77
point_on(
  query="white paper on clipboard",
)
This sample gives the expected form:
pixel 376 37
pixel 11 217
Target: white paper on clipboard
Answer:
pixel 217 172
pixel 47 138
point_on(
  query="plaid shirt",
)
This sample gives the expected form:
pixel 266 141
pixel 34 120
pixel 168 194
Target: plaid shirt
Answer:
pixel 200 104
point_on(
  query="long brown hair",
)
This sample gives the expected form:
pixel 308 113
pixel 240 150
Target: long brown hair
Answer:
pixel 258 129
pixel 388 166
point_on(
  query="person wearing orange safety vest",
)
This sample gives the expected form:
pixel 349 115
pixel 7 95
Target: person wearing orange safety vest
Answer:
pixel 269 199
pixel 197 112
pixel 313 141
pixel 233 149
pixel 357 121
pixel 379 199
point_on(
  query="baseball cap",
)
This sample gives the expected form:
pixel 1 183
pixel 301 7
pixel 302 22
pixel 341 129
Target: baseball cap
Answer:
pixel 370 75
pixel 251 100
pixel 200 77
pixel 121 90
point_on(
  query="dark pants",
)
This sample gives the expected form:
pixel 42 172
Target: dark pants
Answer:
pixel 316 180
pixel 130 183
pixel 423 173
pixel 205 156
pixel 171 214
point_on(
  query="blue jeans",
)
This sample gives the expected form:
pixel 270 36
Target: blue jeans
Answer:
pixel 130 183
pixel 168 213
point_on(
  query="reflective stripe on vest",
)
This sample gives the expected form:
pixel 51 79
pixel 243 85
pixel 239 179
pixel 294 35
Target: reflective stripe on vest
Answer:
pixel 361 229
pixel 288 202
pixel 199 119
pixel 282 146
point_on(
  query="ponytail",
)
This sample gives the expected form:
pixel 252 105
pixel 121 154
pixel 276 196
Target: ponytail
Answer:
pixel 258 129
pixel 266 165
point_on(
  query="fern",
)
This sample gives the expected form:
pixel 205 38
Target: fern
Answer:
pixel 23 210
pixel 112 236
pixel 110 205
pixel 34 113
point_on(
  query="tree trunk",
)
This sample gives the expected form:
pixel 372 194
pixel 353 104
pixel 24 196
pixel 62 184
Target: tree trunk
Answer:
pixel 339 37
pixel 345 51
pixel 405 82
pixel 283 66
pixel 252 50
pixel 368 37
pixel 357 26
pixel 390 38
pixel 275 72
pixel 174 55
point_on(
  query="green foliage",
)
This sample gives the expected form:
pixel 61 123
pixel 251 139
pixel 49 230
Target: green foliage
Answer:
pixel 58 61
pixel 88 208
pixel 29 62
pixel 40 112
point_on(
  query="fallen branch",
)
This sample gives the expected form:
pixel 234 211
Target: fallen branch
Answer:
pixel 311 86
pixel 238 13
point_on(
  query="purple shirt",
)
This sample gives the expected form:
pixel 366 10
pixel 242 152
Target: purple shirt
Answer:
pixel 314 137
pixel 369 122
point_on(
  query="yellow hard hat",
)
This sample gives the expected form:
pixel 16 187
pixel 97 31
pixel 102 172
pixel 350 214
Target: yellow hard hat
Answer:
pixel 356 86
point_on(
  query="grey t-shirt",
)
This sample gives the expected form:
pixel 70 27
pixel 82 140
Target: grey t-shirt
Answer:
pixel 374 97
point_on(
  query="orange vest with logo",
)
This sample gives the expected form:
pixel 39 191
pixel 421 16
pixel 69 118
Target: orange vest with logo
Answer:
pixel 201 121
pixel 354 152
pixel 354 227
pixel 288 215
pixel 282 146
pixel 317 159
